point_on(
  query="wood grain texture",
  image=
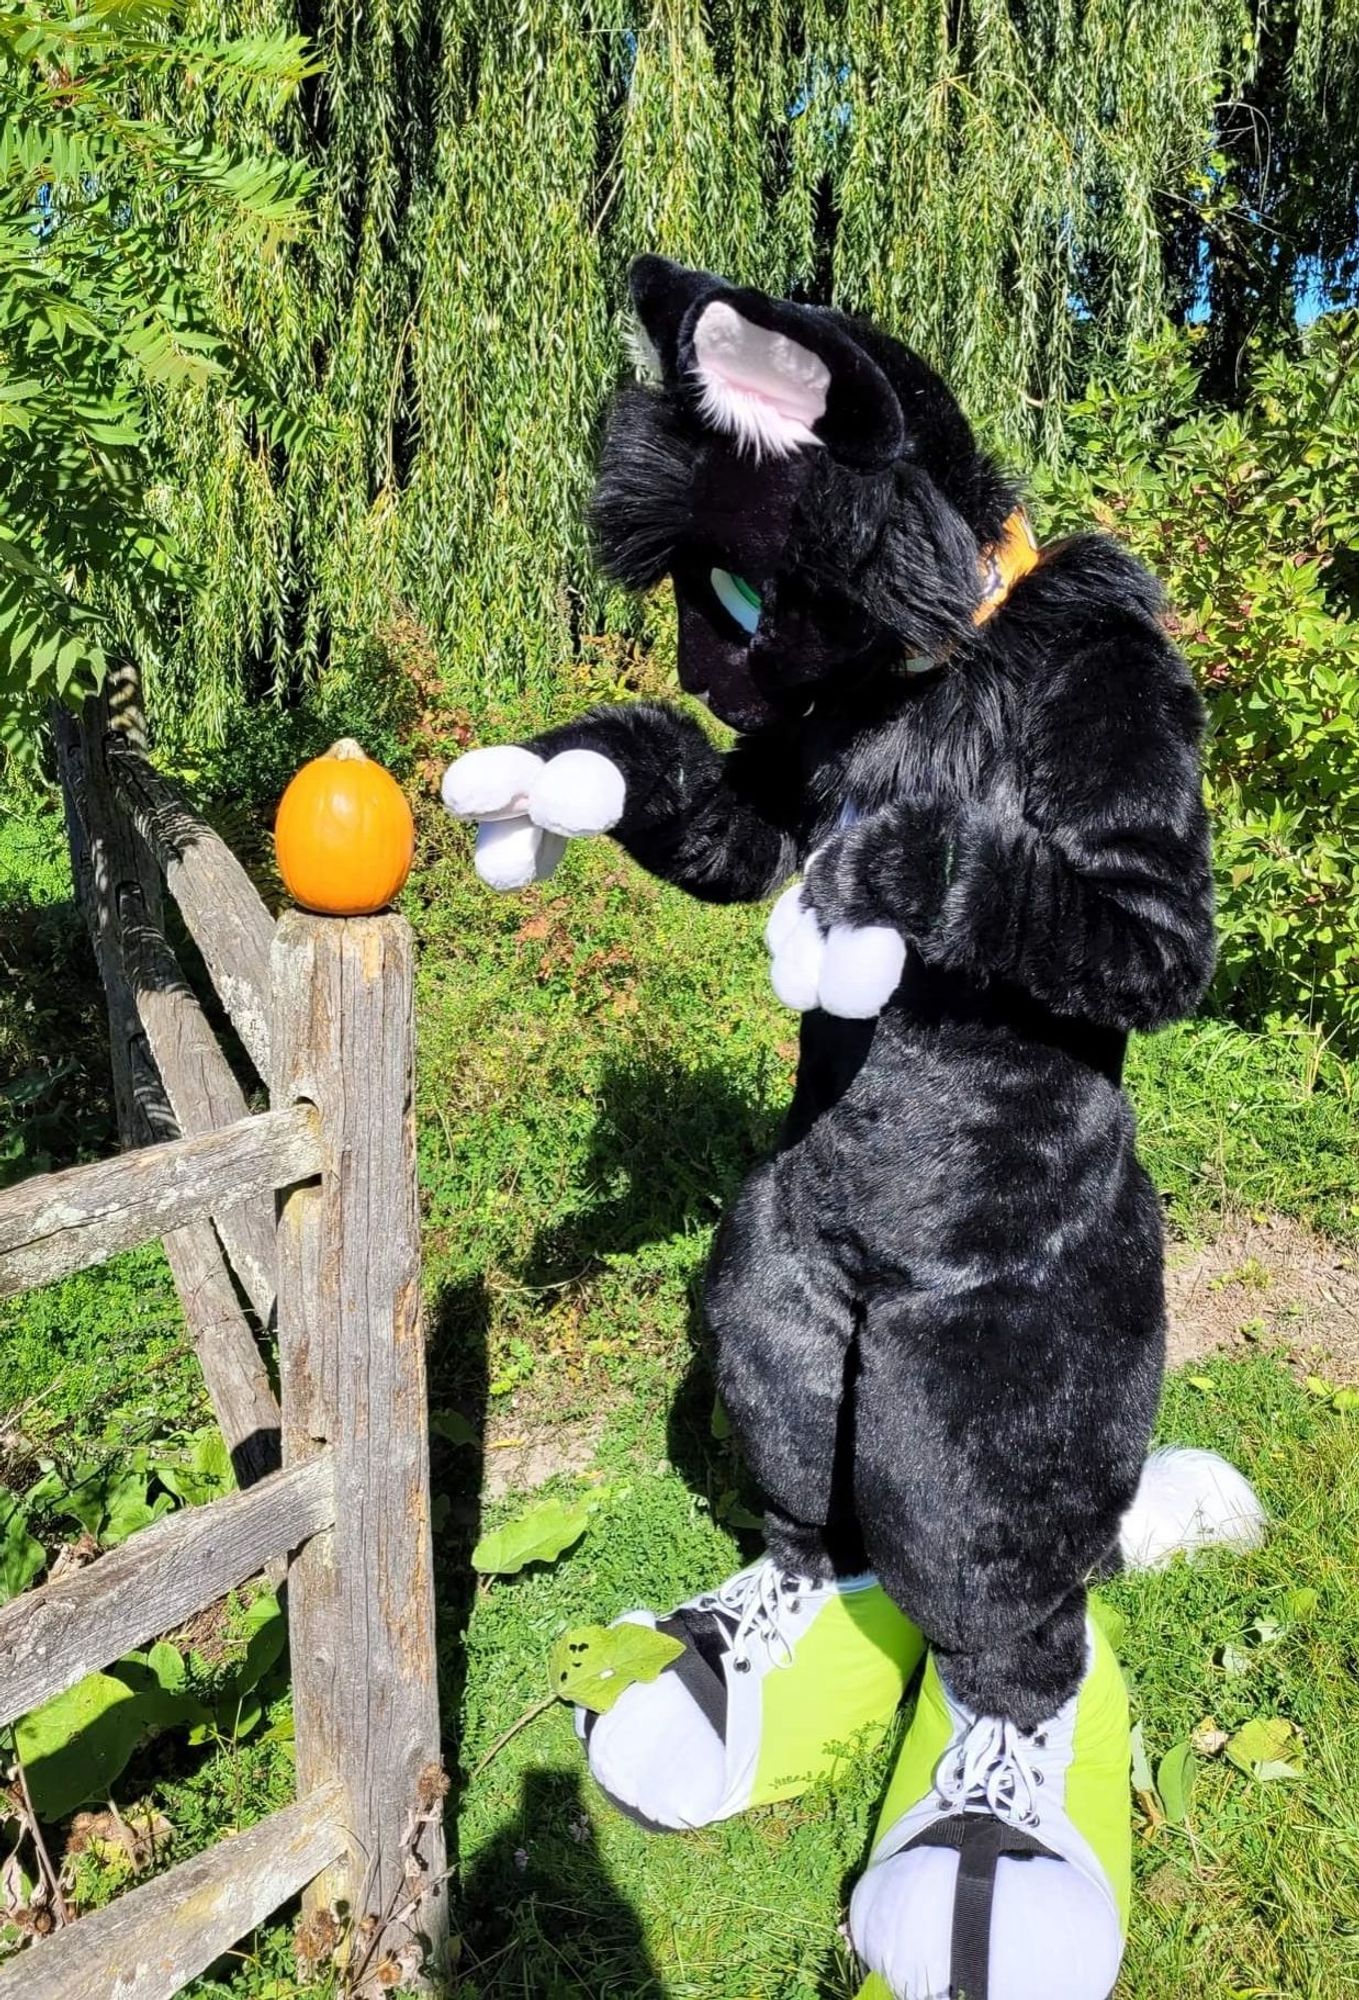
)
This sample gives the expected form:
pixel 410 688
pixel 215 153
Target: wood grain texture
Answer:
pixel 352 1366
pixel 154 1939
pixel 54 1224
pixel 233 1367
pixel 53 1636
pixel 201 1087
pixel 142 1108
pixel 198 1082
pixel 224 1341
pixel 220 904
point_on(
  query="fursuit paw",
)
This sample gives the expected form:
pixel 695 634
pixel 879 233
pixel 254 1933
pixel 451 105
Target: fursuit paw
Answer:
pixel 850 970
pixel 526 807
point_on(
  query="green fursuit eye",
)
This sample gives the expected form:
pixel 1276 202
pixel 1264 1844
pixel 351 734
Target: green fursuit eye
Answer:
pixel 737 598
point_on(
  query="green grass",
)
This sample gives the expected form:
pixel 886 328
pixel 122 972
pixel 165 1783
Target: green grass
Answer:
pixel 601 1062
pixel 1254 1896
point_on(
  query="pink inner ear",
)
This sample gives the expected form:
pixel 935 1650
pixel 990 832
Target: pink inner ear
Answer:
pixel 765 388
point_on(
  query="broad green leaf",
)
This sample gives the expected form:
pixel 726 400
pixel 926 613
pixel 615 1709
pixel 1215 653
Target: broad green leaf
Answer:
pixel 453 1426
pixel 1175 1776
pixel 160 1706
pixel 1233 1658
pixel 733 1513
pixel 204 1473
pixel 593 1664
pixel 128 1508
pixel 1302 1604
pixel 74 1747
pixel 540 1535
pixel 1267 1749
pixel 266 1631
pixel 1109 1618
pixel 167 1664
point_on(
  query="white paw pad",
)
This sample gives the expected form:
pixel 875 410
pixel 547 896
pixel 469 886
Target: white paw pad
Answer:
pixel 525 807
pixel 493 783
pixel 511 853
pixel 578 792
pixel 851 972
pixel 860 970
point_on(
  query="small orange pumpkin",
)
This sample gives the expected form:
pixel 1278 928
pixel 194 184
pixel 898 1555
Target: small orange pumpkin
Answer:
pixel 344 834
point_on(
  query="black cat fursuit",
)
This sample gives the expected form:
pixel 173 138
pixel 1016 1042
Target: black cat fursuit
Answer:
pixel 937 1311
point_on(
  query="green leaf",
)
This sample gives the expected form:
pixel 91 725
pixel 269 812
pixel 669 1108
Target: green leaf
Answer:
pixel 204 1473
pixel 540 1535
pixel 1267 1749
pixel 1203 1382
pixel 22 1556
pixel 266 1632
pixel 1175 1776
pixel 1345 1399
pixel 733 1513
pixel 593 1664
pixel 167 1664
pixel 1233 1659
pixel 1301 1605
pixel 453 1425
pixel 1142 1778
pixel 74 1746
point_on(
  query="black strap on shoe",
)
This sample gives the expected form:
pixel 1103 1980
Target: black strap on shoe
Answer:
pixel 699 1667
pixel 979 1842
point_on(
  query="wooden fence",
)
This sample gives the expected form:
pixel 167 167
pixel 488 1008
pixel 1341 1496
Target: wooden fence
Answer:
pixel 302 1217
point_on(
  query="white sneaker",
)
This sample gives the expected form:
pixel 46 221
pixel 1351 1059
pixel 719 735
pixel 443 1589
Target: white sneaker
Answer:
pixel 1002 1865
pixel 776 1674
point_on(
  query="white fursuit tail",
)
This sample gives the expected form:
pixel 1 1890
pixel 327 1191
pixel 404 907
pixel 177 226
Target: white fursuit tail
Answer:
pixel 1187 1500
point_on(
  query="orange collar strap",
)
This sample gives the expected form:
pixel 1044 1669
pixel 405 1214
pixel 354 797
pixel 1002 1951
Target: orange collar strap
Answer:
pixel 1005 563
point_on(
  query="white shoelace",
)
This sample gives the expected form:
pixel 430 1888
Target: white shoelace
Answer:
pixel 991 1767
pixel 758 1599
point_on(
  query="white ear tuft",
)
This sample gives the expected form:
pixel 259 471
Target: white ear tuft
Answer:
pixel 764 388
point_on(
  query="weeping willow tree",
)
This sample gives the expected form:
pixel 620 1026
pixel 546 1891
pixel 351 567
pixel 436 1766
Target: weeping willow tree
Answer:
pixel 1023 188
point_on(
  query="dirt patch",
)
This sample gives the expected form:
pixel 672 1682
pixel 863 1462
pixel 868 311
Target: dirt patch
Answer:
pixel 1270 1280
pixel 206 1632
pixel 522 1456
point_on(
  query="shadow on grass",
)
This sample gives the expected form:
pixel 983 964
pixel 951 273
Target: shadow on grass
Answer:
pixel 541 1913
pixel 667 1154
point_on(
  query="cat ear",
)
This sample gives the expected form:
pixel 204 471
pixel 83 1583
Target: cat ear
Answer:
pixel 762 387
pixel 775 377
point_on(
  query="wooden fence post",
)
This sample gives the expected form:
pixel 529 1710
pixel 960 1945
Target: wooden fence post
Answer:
pixel 352 1371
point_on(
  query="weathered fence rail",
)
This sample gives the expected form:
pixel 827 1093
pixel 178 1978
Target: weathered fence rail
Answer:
pixel 54 1224
pixel 308 1213
pixel 52 1637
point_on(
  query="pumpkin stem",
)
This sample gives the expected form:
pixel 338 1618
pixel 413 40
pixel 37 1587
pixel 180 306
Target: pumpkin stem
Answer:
pixel 348 751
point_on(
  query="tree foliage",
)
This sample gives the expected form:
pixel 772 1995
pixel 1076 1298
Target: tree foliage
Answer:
pixel 1024 190
pixel 1252 519
pixel 100 317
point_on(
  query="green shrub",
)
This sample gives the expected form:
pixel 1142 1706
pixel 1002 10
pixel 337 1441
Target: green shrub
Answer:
pixel 1252 520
